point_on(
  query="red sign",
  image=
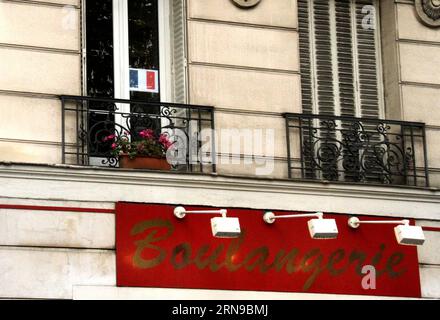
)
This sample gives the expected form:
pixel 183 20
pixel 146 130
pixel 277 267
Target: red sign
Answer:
pixel 155 249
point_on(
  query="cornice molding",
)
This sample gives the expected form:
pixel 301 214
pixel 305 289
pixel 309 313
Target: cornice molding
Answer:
pixel 100 174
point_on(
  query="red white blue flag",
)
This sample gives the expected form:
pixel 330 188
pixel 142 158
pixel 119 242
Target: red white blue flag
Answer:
pixel 144 80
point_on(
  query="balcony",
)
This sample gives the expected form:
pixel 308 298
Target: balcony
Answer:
pixel 87 121
pixel 319 147
pixel 354 150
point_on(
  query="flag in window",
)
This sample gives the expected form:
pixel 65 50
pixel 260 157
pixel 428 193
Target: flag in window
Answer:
pixel 144 80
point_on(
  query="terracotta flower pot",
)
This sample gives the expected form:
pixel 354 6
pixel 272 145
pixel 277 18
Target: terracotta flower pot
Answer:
pixel 143 162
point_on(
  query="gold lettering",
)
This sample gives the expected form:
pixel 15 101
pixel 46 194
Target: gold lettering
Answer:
pixel 210 260
pixel 378 256
pixel 213 266
pixel 233 249
pixel 335 257
pixel 185 250
pixel 306 266
pixel 198 259
pixel 358 255
pixel 394 260
pixel 261 253
pixel 288 260
pixel 376 259
pixel 141 245
pixel 149 255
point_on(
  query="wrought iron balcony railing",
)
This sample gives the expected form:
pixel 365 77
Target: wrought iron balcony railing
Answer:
pixel 87 121
pixel 359 150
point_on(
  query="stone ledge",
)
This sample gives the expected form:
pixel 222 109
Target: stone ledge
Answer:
pixel 73 183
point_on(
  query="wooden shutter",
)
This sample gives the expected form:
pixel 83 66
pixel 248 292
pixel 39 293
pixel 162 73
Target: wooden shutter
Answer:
pixel 368 53
pixel 345 59
pixel 305 51
pixel 339 59
pixel 178 18
pixel 340 75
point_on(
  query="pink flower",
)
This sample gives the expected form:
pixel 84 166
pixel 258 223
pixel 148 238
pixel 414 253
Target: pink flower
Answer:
pixel 163 138
pixel 110 137
pixel 147 134
pixel 114 146
pixel 165 141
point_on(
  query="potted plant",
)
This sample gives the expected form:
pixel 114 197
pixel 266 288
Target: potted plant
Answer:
pixel 148 151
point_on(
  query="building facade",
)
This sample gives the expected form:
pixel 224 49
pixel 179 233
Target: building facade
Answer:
pixel 283 105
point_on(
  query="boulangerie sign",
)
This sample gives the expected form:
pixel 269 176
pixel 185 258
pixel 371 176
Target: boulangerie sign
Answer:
pixel 155 249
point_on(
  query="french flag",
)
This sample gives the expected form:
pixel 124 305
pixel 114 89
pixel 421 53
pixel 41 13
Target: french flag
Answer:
pixel 144 80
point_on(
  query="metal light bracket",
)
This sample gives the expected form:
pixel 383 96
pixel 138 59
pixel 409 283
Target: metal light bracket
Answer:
pixel 269 217
pixel 181 212
pixel 354 222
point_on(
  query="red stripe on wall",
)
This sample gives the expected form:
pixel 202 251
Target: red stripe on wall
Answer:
pixel 97 210
pixel 49 208
pixel 437 229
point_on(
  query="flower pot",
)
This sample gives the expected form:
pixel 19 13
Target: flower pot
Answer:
pixel 143 162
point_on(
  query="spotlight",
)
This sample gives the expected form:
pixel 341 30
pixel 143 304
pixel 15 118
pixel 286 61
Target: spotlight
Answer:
pixel 405 234
pixel 319 228
pixel 222 227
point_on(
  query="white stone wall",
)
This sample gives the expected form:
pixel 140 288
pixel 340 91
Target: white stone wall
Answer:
pixel 39 59
pixel 246 64
pixel 412 73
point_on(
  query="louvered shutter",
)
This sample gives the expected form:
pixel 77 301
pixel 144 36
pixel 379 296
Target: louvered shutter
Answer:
pixel 340 67
pixel 179 50
pixel 339 62
pixel 368 50
pixel 323 57
pixel 305 50
pixel 345 59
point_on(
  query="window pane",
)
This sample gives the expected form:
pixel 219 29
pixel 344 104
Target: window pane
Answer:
pixel 100 73
pixel 143 40
pixel 99 41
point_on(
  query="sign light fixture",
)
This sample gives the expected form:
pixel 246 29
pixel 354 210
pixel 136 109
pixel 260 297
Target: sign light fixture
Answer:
pixel 405 234
pixel 319 228
pixel 222 227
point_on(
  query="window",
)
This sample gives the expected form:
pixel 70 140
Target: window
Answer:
pixel 134 50
pixel 340 57
pixel 123 35
pixel 341 77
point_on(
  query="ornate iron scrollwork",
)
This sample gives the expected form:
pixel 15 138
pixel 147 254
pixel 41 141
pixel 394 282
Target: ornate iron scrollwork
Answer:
pixel 359 150
pixel 95 119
